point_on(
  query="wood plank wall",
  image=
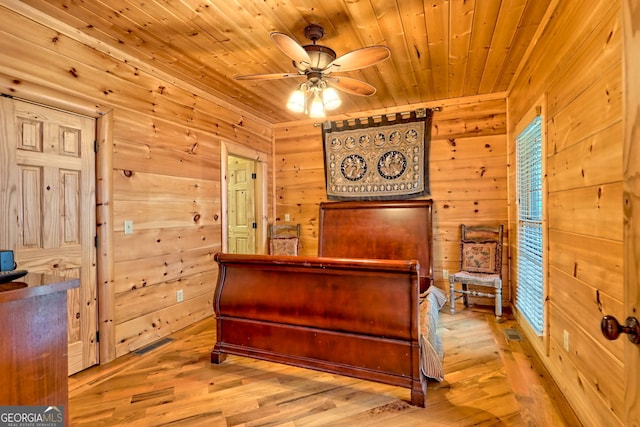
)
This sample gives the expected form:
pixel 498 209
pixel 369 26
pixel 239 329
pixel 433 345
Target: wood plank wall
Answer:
pixel 576 68
pixel 468 174
pixel 166 143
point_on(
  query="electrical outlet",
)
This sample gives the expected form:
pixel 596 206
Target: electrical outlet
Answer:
pixel 445 274
pixel 179 295
pixel 128 226
pixel 566 340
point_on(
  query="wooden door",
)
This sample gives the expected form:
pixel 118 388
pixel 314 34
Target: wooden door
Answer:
pixel 631 186
pixel 47 161
pixel 241 206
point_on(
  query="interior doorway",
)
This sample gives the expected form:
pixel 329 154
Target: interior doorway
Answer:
pixel 48 196
pixel 243 199
pixel 241 206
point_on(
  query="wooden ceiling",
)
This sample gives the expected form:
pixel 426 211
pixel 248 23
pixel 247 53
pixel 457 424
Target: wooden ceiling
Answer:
pixel 440 49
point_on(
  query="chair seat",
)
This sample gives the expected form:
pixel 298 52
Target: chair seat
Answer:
pixel 477 278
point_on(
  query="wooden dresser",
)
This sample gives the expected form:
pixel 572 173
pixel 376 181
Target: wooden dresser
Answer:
pixel 33 333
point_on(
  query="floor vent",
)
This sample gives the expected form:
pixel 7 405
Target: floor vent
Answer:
pixel 152 346
pixel 513 335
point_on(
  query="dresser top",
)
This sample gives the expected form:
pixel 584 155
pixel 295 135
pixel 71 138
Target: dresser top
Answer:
pixel 35 284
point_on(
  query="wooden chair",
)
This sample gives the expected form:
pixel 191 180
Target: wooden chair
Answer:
pixel 480 265
pixel 284 239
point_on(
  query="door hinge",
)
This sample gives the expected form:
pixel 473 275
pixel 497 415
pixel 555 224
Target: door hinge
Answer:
pixel 95 145
pixel 97 336
pixel 254 225
pixel 95 241
pixel 254 176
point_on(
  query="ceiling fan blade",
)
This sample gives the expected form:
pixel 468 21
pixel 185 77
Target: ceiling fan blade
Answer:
pixel 352 86
pixel 291 48
pixel 268 76
pixel 359 58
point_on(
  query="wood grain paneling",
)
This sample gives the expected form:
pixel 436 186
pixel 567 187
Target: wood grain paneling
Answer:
pixel 587 302
pixel 586 379
pixel 163 149
pixel 134 303
pixel 594 156
pixel 162 76
pixel 467 170
pixel 150 327
pixel 576 67
pixel 137 273
pixel 594 110
pixel 153 242
pixel 440 49
pixel 631 170
pixel 574 254
pixel 594 211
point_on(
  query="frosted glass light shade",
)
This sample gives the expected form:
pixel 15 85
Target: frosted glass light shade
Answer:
pixel 330 98
pixel 296 101
pixel 317 109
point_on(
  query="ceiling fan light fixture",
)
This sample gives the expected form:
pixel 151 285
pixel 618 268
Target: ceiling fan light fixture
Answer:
pixel 330 98
pixel 297 101
pixel 317 108
pixel 317 62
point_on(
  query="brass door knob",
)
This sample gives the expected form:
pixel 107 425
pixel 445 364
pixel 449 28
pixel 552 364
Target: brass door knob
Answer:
pixel 611 328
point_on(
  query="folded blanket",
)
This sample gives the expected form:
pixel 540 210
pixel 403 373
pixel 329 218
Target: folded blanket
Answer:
pixel 432 352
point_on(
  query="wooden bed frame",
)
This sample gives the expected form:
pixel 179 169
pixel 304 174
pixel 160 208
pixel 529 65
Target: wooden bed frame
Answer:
pixel 353 310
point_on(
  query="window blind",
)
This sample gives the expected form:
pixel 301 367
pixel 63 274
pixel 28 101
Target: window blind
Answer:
pixel 530 295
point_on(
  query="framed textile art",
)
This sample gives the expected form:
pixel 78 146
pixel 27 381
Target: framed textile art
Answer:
pixel 386 159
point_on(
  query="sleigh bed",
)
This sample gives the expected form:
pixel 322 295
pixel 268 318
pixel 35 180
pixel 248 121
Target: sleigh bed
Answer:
pixel 363 308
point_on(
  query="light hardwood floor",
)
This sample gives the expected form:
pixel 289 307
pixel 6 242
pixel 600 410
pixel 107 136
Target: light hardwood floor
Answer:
pixel 490 380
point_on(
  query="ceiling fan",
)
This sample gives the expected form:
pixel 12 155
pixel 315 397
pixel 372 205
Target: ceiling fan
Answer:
pixel 317 63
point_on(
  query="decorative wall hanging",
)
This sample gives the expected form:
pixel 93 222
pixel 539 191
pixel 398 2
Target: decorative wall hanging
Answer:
pixel 378 160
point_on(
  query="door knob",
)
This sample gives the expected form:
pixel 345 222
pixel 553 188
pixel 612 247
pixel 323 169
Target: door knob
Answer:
pixel 611 329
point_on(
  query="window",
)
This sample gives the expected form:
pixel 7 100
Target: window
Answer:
pixel 530 295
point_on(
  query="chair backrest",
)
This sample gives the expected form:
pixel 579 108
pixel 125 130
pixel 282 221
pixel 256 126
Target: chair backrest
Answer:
pixel 283 231
pixel 284 239
pixel 481 249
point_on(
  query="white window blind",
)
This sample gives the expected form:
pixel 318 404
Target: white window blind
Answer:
pixel 530 295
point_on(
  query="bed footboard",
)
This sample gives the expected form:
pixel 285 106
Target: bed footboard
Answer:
pixel 351 317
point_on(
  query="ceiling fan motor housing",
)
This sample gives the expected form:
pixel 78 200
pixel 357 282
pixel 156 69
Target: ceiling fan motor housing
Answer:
pixel 314 32
pixel 321 57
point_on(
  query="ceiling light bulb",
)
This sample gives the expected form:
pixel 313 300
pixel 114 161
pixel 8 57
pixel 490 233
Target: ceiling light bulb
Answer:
pixel 296 101
pixel 330 98
pixel 317 109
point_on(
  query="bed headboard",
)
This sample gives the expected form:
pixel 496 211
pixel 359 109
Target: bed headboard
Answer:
pixel 379 230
